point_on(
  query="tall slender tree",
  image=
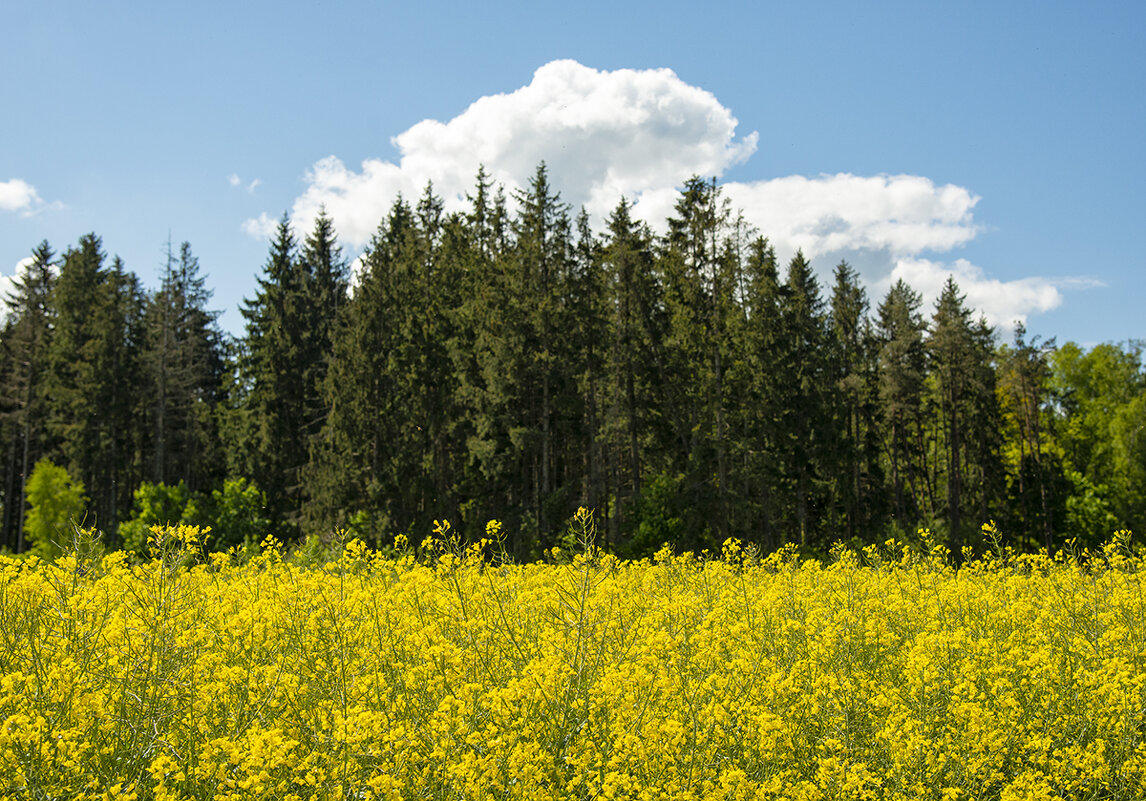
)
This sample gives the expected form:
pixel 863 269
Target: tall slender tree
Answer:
pixel 278 374
pixel 26 339
pixel 183 364
pixel 1024 394
pixel 633 395
pixel 902 372
pixel 93 362
pixel 804 444
pixel 960 353
pixel 761 412
pixel 852 391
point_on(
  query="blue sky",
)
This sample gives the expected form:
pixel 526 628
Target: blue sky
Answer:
pixel 998 142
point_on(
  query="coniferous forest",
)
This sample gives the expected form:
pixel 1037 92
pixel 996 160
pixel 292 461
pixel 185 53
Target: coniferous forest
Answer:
pixel 511 362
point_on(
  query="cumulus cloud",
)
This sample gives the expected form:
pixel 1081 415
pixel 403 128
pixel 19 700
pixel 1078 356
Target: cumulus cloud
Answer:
pixel 899 214
pixel 601 134
pixel 639 134
pixel 19 195
pixel 1002 303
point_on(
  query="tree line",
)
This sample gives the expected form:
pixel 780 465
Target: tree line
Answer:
pixel 508 361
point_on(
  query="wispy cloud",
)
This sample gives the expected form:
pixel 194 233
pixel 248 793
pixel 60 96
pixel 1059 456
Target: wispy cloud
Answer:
pixel 1002 303
pixel 234 180
pixel 20 196
pixel 261 227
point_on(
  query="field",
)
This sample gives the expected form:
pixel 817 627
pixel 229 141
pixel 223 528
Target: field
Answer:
pixel 442 672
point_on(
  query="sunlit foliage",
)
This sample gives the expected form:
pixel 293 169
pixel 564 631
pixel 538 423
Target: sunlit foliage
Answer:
pixel 446 672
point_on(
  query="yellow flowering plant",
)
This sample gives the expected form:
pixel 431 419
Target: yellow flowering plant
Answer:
pixel 885 674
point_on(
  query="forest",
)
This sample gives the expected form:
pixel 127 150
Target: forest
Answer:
pixel 511 362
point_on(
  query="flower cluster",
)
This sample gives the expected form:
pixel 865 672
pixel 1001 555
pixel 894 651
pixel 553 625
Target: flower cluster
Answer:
pixel 888 674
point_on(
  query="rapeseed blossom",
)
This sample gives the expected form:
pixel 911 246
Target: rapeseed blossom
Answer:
pixel 451 673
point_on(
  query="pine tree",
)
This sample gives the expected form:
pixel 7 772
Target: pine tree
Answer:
pixel 960 354
pixel 697 292
pixel 634 332
pixel 804 444
pixel 1035 472
pixel 277 371
pixel 902 371
pixel 761 410
pixel 93 367
pixel 183 364
pixel 26 339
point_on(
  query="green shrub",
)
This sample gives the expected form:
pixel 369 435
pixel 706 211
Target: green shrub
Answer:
pixel 56 504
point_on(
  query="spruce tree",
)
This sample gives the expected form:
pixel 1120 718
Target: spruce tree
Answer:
pixel 1035 472
pixel 696 292
pixel 26 339
pixel 852 391
pixel 902 372
pixel 761 412
pixel 277 365
pixel 631 396
pixel 960 354
pixel 540 265
pixel 93 368
pixel 804 442
pixel 183 365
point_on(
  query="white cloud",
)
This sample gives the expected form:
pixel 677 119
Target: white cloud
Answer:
pixel 639 134
pixel 6 284
pixel 261 227
pixel 234 180
pixel 1002 303
pixel 601 134
pixel 19 195
pixel 899 214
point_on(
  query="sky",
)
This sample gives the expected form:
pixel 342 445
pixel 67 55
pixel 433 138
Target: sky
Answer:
pixel 999 143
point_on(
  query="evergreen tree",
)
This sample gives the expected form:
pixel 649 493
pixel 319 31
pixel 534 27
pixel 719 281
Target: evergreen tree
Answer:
pixel 485 357
pixel 960 354
pixel 93 359
pixel 26 338
pixel 697 343
pixel 183 364
pixel 804 445
pixel 1035 472
pixel 852 391
pixel 902 371
pixel 761 412
pixel 541 263
pixel 278 370
pixel 586 342
pixel 631 397
pixel 386 460
pixel 357 466
pixel 324 277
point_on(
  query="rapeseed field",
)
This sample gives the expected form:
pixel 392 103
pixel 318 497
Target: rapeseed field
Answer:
pixel 445 672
